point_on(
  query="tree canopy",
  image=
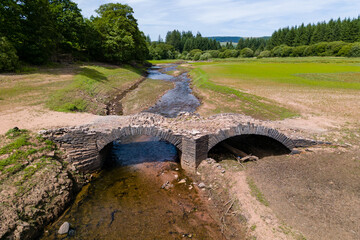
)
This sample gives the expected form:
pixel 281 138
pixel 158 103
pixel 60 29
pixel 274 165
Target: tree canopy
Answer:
pixel 42 30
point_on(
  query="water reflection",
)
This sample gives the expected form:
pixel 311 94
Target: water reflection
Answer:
pixel 140 149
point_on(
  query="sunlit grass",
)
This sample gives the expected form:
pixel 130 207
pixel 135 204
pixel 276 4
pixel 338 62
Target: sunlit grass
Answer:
pixel 312 72
pixel 92 86
pixel 249 104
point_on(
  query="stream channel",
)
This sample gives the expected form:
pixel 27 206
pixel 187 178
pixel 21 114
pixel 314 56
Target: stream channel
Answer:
pixel 142 193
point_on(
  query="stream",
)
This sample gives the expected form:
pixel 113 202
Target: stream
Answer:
pixel 179 99
pixel 142 193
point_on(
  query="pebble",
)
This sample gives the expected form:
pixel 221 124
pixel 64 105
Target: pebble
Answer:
pixel 202 185
pixel 182 181
pixel 64 228
pixel 223 171
pixel 176 176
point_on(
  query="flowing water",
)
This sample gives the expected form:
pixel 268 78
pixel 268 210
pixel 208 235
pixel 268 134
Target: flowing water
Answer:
pixel 139 194
pixel 179 99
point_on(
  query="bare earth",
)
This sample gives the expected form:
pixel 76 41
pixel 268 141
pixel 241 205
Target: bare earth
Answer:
pixel 37 117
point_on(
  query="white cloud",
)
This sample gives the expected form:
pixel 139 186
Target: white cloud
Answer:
pixel 229 17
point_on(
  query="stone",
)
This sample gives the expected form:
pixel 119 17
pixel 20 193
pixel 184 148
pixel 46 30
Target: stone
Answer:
pixel 64 229
pixel 201 185
pixel 182 181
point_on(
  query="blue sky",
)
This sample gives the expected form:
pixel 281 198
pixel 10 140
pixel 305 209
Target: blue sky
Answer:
pixel 228 17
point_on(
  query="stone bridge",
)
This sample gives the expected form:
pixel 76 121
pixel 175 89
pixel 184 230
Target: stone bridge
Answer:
pixel 86 146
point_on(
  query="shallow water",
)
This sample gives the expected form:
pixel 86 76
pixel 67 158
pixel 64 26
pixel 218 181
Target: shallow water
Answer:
pixel 127 201
pixel 179 99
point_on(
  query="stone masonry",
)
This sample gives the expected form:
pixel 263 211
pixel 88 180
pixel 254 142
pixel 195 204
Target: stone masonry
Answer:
pixel 191 134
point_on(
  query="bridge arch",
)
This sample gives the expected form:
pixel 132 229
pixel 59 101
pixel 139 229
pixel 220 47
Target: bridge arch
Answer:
pixel 251 132
pixel 162 134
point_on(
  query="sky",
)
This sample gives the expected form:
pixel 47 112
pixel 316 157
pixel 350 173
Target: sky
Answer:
pixel 245 18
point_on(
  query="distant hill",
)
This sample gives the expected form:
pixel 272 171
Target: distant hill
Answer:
pixel 226 39
pixel 233 39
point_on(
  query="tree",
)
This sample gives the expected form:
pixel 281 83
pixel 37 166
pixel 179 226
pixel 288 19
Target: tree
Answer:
pixel 8 57
pixel 122 39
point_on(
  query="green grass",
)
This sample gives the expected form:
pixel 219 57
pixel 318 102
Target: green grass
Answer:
pixel 255 191
pixel 251 104
pixel 224 84
pixel 14 156
pixel 166 61
pixel 313 72
pixel 19 142
pixel 92 87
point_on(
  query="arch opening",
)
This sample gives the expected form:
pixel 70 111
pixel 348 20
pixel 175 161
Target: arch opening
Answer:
pixel 249 144
pixel 137 149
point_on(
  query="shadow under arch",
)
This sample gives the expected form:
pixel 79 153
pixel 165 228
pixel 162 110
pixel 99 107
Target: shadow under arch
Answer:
pixel 154 137
pixel 251 144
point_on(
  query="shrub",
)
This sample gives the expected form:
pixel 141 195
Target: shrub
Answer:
pixel 221 55
pixel 333 48
pixel 282 51
pixel 309 51
pixel 320 48
pixel 264 54
pixel 354 50
pixel 197 56
pixel 194 51
pixel 205 56
pixel 214 53
pixel 345 50
pixel 8 57
pixel 246 52
pixel 298 51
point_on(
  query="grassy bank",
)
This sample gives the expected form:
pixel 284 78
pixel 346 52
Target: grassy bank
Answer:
pixel 228 99
pixel 93 87
pixel 275 88
pixel 78 88
pixel 145 95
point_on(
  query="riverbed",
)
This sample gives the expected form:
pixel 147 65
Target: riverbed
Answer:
pixel 142 193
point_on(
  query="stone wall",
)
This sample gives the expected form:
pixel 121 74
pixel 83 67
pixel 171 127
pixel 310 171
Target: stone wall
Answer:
pixel 84 145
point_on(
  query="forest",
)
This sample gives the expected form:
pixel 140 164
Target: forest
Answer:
pixel 333 38
pixel 43 31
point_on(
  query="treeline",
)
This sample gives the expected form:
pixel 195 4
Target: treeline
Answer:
pixel 333 38
pixel 178 44
pixel 346 30
pixel 40 31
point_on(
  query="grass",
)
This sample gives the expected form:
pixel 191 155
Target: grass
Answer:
pixel 313 72
pixel 253 86
pixel 145 95
pixel 20 150
pixel 250 104
pixel 66 88
pixel 93 87
pixel 166 61
pixel 255 191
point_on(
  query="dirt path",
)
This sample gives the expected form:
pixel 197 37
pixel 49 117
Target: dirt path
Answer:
pixel 35 118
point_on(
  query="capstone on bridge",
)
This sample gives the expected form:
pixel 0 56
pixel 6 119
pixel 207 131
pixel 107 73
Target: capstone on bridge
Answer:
pixel 87 146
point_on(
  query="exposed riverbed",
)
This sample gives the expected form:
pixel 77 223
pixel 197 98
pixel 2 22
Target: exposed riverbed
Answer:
pixel 143 193
pixel 179 99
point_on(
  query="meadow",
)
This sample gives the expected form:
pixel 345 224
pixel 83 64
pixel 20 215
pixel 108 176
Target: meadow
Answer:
pixel 277 88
